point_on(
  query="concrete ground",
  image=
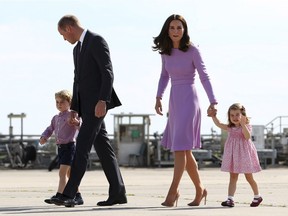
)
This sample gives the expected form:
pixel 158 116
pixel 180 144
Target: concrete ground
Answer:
pixel 22 193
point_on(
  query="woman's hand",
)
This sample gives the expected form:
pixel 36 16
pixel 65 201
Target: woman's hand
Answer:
pixel 158 106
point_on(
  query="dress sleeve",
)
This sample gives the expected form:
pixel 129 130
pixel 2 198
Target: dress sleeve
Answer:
pixel 203 75
pixel 164 79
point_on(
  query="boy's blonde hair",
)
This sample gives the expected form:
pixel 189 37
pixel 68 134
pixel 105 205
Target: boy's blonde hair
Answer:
pixel 65 95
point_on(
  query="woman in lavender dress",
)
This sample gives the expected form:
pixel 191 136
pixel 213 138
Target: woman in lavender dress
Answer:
pixel 180 60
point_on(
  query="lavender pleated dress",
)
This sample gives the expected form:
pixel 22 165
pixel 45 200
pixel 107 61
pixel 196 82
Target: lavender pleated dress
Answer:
pixel 182 131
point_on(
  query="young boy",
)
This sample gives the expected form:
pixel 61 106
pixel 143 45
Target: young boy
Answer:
pixel 64 125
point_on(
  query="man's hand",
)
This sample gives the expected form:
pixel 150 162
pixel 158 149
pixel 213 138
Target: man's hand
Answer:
pixel 100 109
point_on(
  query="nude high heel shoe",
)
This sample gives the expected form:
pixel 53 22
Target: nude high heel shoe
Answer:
pixel 195 203
pixel 173 199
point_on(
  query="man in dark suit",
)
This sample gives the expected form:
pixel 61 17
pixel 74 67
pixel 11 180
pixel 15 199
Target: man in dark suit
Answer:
pixel 93 95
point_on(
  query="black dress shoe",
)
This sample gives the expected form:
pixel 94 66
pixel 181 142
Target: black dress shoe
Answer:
pixel 78 199
pixel 63 200
pixel 49 201
pixel 110 201
pixel 70 203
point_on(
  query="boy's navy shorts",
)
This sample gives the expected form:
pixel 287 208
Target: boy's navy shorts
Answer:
pixel 66 153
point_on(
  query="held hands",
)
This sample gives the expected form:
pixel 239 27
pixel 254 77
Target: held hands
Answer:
pixel 158 106
pixel 74 119
pixel 211 111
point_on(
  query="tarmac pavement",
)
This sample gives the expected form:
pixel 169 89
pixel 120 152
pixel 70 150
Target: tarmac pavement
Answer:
pixel 22 192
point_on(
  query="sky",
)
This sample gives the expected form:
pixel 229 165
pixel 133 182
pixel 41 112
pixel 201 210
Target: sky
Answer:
pixel 244 44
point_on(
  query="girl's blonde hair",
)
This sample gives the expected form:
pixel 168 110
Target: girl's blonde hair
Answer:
pixel 64 95
pixel 237 106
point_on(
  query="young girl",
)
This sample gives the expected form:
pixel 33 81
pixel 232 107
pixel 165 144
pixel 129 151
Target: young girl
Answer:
pixel 240 154
pixel 65 126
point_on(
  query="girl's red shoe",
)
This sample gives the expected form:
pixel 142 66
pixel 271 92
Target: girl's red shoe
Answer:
pixel 256 202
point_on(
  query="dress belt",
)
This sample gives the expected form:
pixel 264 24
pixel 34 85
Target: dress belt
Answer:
pixel 182 82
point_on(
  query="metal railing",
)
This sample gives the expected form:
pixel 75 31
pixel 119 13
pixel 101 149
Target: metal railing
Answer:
pixel 277 125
